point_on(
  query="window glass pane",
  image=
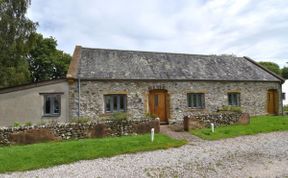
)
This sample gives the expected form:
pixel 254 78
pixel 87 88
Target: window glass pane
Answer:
pixel 47 105
pixel 107 103
pixel 198 104
pixel 115 103
pixel 229 99
pixel 122 101
pixel 234 99
pixel 57 105
pixel 196 100
pixel 52 104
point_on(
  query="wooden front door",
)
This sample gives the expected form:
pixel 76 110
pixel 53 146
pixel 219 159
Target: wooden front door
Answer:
pixel 158 104
pixel 272 102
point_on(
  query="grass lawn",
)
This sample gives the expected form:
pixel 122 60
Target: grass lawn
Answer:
pixel 26 157
pixel 258 124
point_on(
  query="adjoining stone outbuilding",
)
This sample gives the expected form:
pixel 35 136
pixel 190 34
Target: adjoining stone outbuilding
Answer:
pixel 169 85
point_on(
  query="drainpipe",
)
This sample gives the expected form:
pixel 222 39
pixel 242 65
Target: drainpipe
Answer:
pixel 78 113
pixel 281 99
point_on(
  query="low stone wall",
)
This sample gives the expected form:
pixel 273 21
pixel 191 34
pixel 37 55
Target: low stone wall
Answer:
pixel 66 131
pixel 223 118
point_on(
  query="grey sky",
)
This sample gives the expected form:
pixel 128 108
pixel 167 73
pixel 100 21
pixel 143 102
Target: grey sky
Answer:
pixel 258 29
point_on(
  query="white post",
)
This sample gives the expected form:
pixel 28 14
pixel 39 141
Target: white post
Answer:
pixel 212 127
pixel 152 134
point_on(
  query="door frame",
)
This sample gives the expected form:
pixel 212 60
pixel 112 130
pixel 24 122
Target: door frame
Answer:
pixel 165 92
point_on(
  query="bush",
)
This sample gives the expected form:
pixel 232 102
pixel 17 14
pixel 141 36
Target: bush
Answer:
pixel 28 124
pixel 120 116
pixel 150 115
pixel 81 120
pixel 285 108
pixel 16 124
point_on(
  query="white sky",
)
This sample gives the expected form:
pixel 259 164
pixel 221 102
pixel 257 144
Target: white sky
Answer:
pixel 258 29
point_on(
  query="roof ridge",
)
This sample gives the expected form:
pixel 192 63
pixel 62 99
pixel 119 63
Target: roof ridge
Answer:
pixel 159 52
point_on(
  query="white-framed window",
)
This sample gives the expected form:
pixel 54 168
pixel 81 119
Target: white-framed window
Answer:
pixel 234 99
pixel 115 103
pixel 196 100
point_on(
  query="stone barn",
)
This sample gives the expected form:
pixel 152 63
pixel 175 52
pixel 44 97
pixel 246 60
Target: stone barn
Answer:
pixel 169 85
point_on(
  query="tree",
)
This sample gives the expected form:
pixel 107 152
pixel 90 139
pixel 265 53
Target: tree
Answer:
pixel 272 67
pixel 285 72
pixel 45 61
pixel 16 39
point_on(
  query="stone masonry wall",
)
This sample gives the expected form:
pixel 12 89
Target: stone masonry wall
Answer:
pixel 67 131
pixel 218 119
pixel 253 97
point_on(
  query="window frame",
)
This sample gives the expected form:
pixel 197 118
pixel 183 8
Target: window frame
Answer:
pixel 235 98
pixel 54 97
pixel 199 98
pixel 112 103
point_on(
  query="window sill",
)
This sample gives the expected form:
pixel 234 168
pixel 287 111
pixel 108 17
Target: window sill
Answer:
pixel 51 115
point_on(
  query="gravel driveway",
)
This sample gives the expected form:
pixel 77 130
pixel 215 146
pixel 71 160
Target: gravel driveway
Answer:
pixel 263 155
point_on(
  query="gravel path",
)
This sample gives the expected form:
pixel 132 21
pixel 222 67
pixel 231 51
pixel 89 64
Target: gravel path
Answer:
pixel 263 155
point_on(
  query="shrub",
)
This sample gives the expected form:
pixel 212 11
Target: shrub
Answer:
pixel 28 124
pixel 120 116
pixel 16 124
pixel 285 108
pixel 150 115
pixel 81 120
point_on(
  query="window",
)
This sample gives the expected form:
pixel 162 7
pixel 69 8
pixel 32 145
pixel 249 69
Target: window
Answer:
pixel 196 100
pixel 234 99
pixel 115 103
pixel 52 104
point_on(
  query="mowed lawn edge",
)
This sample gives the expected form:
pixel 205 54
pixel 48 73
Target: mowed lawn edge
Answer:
pixel 43 155
pixel 258 124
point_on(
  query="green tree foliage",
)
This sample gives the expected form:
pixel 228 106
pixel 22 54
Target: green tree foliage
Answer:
pixel 285 72
pixel 272 67
pixel 16 39
pixel 45 61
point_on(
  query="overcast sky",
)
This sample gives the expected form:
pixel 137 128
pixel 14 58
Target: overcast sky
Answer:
pixel 258 29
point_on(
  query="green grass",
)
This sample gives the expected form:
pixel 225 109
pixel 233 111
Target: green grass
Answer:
pixel 27 157
pixel 258 124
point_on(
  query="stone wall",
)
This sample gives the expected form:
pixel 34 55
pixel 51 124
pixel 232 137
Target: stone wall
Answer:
pixel 66 131
pixel 253 96
pixel 218 119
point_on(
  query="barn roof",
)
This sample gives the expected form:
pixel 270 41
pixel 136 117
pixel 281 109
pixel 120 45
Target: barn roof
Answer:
pixel 111 64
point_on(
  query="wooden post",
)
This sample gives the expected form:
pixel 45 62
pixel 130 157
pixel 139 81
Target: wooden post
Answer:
pixel 186 123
